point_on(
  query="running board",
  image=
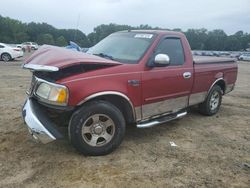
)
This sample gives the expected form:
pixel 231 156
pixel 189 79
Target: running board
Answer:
pixel 160 120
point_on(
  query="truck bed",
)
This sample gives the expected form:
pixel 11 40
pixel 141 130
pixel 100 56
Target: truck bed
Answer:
pixel 208 70
pixel 209 60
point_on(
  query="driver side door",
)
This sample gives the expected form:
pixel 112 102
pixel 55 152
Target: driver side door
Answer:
pixel 166 89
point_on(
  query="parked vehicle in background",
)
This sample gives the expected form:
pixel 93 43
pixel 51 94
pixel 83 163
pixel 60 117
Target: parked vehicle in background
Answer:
pixel 215 53
pixel 197 53
pixel 231 54
pixel 73 46
pixel 224 54
pixel 142 78
pixel 28 46
pixel 235 55
pixel 85 49
pixel 8 52
pixel 245 57
pixel 209 53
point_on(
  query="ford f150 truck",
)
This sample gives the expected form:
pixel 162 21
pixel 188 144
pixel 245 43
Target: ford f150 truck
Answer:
pixel 141 78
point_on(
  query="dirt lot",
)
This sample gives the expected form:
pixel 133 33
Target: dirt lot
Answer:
pixel 212 151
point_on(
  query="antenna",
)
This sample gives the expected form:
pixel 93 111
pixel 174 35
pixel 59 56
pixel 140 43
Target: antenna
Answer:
pixel 77 24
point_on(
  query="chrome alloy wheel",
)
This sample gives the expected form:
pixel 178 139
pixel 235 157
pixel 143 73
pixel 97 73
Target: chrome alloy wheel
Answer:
pixel 214 101
pixel 98 130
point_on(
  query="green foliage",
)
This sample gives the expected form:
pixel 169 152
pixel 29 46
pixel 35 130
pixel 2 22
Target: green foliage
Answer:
pixel 103 31
pixel 21 36
pixel 216 40
pixel 232 43
pixel 14 31
pixel 60 41
pixel 45 39
pixel 197 38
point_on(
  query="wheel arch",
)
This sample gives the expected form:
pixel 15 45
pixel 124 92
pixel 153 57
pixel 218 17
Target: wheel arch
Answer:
pixel 220 82
pixel 5 53
pixel 120 100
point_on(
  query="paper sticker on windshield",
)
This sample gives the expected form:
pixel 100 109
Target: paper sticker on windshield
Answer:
pixel 145 36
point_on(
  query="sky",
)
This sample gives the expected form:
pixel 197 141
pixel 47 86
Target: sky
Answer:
pixel 229 15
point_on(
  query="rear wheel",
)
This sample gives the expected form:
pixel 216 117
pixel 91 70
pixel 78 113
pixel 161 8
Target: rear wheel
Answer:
pixel 97 128
pixel 6 57
pixel 212 103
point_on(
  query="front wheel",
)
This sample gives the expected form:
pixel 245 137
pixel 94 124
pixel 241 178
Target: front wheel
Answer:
pixel 6 57
pixel 212 103
pixel 97 128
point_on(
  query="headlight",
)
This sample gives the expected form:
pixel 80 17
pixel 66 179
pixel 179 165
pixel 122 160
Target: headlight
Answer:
pixel 52 93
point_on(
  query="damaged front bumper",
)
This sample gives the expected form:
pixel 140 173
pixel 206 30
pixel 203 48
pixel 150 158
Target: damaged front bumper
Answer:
pixel 39 125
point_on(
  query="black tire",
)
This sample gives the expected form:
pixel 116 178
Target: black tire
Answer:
pixel 82 115
pixel 206 108
pixel 6 57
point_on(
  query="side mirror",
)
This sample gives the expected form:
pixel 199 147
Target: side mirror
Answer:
pixel 162 60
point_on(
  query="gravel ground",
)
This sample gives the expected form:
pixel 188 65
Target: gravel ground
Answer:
pixel 211 151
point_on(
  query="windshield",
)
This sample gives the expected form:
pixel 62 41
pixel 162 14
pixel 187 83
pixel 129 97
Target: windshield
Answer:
pixel 126 47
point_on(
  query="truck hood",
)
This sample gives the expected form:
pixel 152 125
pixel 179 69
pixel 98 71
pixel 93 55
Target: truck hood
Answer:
pixel 51 58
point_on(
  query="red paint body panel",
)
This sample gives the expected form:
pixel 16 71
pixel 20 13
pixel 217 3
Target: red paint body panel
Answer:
pixel 111 79
pixel 61 57
pixel 206 74
pixel 156 84
pixel 161 83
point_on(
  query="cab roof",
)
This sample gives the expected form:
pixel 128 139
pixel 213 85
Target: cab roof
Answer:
pixel 158 32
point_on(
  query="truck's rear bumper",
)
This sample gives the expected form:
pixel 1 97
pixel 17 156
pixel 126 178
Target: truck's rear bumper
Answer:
pixel 39 125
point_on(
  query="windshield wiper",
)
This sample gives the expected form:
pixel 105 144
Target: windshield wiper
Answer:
pixel 105 56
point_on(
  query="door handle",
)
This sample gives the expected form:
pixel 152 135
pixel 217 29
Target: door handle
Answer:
pixel 187 75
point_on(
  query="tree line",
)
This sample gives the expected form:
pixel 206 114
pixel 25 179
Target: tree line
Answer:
pixel 15 31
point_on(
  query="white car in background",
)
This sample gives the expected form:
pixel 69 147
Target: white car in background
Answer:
pixel 245 57
pixel 26 45
pixel 8 52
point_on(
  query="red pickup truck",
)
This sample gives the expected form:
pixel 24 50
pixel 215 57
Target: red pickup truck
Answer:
pixel 141 78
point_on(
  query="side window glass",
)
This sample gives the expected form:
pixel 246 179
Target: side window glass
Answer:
pixel 173 48
pixel 1 46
